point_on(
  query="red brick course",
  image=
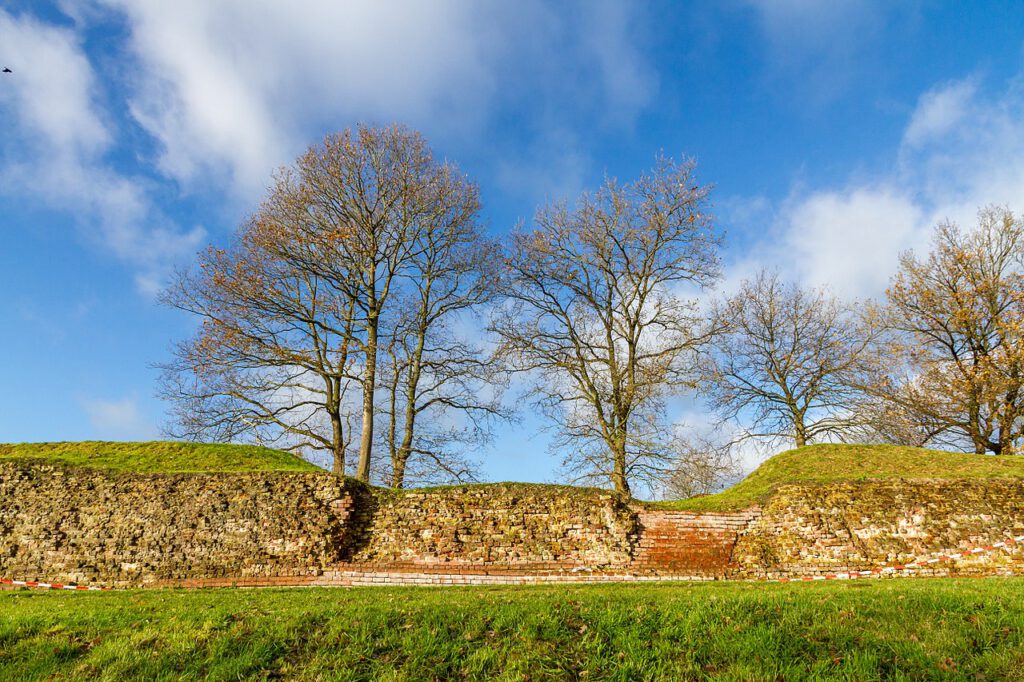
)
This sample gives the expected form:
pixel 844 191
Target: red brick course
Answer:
pixel 689 543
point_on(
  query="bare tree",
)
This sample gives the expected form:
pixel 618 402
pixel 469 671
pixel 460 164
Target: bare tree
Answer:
pixel 379 191
pixel 893 421
pixel 292 312
pixel 595 310
pixel 958 344
pixel 434 370
pixel 272 359
pixel 790 362
pixel 703 465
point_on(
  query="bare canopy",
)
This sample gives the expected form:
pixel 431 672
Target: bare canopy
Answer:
pixel 598 314
pixel 789 362
pixel 295 311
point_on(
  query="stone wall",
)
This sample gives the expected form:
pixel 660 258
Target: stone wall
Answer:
pixel 505 525
pixel 60 524
pixel 88 526
pixel 809 530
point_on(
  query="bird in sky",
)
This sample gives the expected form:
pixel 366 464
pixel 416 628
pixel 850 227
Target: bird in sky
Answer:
pixel 6 70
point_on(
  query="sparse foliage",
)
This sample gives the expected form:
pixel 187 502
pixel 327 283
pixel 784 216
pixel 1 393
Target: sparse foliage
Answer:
pixel 957 351
pixel 789 362
pixel 598 314
pixel 367 243
pixel 273 357
pixel 703 465
pixel 433 370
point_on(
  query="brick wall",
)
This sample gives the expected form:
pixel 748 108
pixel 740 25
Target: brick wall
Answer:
pixel 688 543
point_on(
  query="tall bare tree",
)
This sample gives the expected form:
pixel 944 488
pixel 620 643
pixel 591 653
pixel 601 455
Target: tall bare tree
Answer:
pixel 380 191
pixel 790 362
pixel 958 319
pixel 273 358
pixel 434 370
pixel 292 311
pixel 597 311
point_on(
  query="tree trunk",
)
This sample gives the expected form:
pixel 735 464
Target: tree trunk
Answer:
pixel 974 426
pixel 333 405
pixel 405 450
pixel 619 479
pixel 800 436
pixel 369 387
pixel 799 428
pixel 398 468
pixel 339 444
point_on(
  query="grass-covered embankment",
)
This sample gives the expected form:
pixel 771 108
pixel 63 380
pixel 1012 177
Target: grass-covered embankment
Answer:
pixel 159 456
pixel 845 463
pixel 926 629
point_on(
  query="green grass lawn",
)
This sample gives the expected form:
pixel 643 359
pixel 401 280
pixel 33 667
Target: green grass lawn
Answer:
pixel 867 630
pixel 811 464
pixel 832 463
pixel 160 457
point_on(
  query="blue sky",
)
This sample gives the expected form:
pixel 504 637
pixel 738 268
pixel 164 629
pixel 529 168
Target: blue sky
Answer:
pixel 836 134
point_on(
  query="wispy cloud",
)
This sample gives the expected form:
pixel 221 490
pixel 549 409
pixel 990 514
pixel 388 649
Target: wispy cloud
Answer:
pixel 56 151
pixel 226 92
pixel 52 90
pixel 119 420
pixel 940 111
pixel 962 148
pixel 818 47
pixel 231 90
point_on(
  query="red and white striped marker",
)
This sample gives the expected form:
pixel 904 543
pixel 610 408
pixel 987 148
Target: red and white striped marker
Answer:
pixel 52 586
pixel 1009 543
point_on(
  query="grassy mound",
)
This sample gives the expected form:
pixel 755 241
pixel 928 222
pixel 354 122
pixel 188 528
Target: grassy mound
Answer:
pixel 836 463
pixel 160 456
pixel 865 630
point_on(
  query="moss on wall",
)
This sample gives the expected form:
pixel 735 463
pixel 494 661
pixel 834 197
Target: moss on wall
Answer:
pixel 504 524
pixel 81 525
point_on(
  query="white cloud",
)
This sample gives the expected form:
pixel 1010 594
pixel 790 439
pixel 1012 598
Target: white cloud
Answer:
pixel 119 420
pixel 229 91
pixel 51 90
pixel 628 83
pixel 233 89
pixel 939 111
pixel 961 149
pixel 975 159
pixel 849 240
pixel 56 146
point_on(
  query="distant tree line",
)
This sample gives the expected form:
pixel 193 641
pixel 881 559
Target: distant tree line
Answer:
pixel 363 310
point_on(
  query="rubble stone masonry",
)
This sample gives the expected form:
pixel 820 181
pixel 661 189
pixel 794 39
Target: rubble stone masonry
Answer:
pixel 91 527
pixel 808 530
